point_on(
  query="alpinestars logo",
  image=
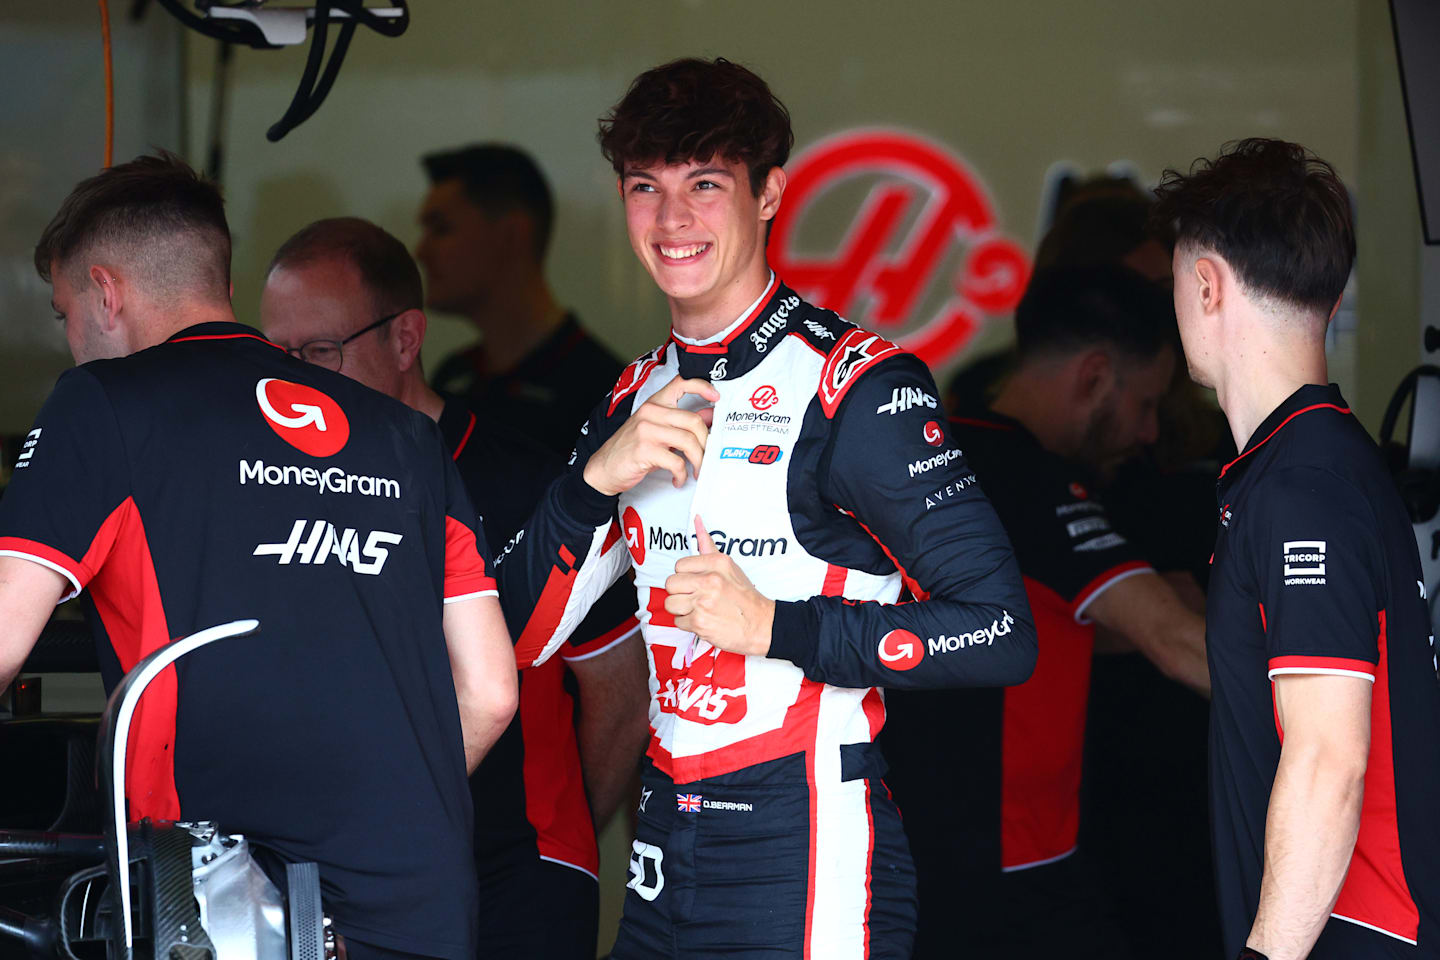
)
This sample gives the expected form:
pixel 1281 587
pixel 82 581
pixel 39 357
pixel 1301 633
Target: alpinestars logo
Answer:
pixel 904 398
pixel 27 449
pixel 985 636
pixel 303 417
pixel 1304 562
pixel 773 324
pixel 717 372
pixel 324 541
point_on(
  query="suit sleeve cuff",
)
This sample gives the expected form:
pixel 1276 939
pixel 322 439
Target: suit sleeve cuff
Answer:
pixel 795 634
pixel 583 502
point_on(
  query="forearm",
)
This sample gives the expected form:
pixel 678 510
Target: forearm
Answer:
pixel 610 749
pixel 28 594
pixel 1176 645
pixel 1147 612
pixel 614 725
pixel 483 665
pixel 1310 832
pixel 483 717
pixel 937 643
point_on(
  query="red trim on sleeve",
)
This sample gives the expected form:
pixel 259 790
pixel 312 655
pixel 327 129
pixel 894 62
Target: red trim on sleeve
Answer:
pixel 469 429
pixel 1263 624
pixel 549 609
pixel 579 651
pixel 834 584
pixel 1088 592
pixel 1298 664
pixel 1315 406
pixel 465 571
pixel 48 557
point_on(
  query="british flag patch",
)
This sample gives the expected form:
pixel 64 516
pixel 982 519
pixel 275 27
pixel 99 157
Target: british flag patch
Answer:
pixel 688 802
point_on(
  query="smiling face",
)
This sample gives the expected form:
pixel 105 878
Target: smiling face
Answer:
pixel 700 232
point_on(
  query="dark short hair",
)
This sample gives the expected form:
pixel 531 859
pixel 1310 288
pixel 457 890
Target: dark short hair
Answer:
pixel 499 179
pixel 1278 214
pixel 155 212
pixel 386 267
pixel 1068 309
pixel 1100 220
pixel 693 110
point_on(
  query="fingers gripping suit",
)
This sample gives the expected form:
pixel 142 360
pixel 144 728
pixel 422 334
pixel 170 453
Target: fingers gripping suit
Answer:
pixel 765 829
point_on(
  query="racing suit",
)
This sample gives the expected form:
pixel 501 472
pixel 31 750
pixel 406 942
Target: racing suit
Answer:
pixel 830 479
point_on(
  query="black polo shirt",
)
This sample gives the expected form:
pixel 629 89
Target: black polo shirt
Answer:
pixel 1006 795
pixel 529 791
pixel 1316 572
pixel 547 395
pixel 213 478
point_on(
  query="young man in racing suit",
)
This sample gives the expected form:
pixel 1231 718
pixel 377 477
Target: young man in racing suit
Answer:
pixel 778 478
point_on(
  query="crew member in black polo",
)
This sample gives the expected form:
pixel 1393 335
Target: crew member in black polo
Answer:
pixel 189 473
pixel 1325 763
pixel 582 725
pixel 994 816
pixel 485 229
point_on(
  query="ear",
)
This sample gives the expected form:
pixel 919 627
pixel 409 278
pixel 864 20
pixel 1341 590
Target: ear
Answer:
pixel 1094 375
pixel 407 336
pixel 771 193
pixel 620 187
pixel 112 296
pixel 1335 307
pixel 1212 283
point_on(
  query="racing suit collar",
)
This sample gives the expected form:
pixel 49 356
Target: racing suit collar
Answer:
pixel 740 347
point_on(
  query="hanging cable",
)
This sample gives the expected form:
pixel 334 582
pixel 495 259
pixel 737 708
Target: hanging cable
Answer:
pixel 109 83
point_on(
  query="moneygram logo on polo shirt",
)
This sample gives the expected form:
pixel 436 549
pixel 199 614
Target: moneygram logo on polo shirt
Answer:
pixel 303 417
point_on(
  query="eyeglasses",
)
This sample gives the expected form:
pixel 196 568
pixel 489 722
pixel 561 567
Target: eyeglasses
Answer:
pixel 328 353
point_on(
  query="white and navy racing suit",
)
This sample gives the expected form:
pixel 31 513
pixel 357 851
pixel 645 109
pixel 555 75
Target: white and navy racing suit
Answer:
pixel 830 478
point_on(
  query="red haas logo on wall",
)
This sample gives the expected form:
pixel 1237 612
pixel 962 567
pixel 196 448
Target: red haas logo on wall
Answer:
pixel 920 183
pixel 303 417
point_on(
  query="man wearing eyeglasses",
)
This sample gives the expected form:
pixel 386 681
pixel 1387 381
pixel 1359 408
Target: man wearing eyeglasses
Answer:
pixel 535 848
pixel 188 473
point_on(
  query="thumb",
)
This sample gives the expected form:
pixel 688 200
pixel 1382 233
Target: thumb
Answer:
pixel 702 537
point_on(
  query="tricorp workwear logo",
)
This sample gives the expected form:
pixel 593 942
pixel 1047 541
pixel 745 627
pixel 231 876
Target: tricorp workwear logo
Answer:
pixel 916 183
pixel 303 417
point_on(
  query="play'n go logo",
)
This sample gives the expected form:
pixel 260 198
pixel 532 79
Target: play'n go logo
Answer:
pixel 303 417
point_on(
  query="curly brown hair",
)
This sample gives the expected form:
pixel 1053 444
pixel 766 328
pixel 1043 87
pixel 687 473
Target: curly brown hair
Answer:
pixel 693 110
pixel 1278 214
